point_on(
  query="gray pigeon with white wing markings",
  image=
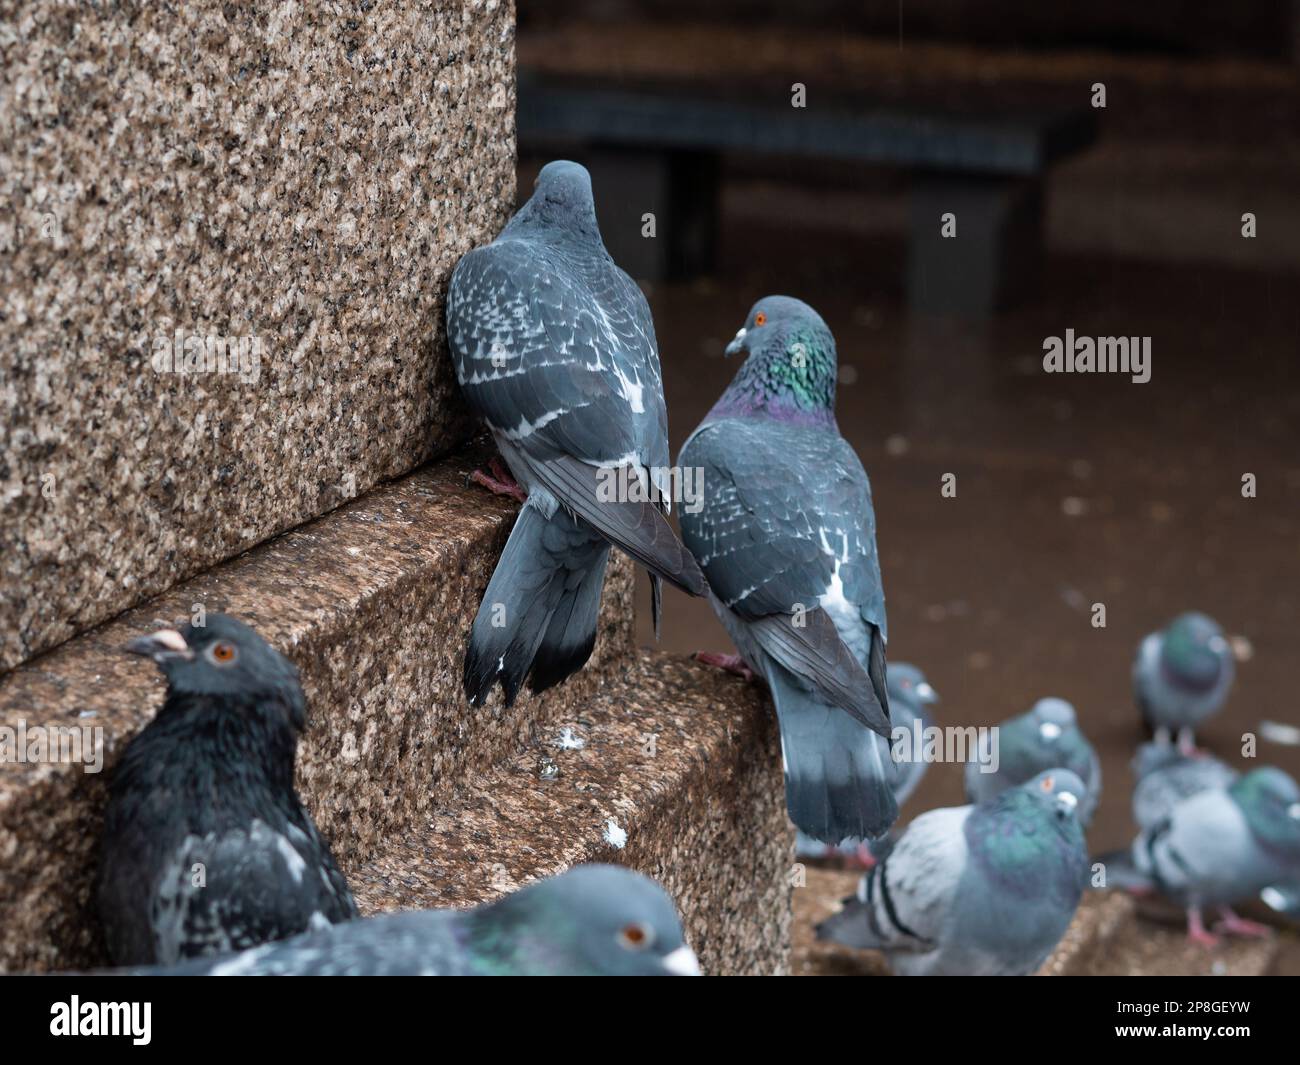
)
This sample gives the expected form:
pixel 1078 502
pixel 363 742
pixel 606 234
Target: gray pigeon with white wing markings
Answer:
pixel 555 348
pixel 984 890
pixel 786 536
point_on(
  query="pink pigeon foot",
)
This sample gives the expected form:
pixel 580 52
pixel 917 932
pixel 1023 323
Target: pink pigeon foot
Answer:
pixel 731 663
pixel 863 857
pixel 1231 924
pixel 499 481
pixel 1196 931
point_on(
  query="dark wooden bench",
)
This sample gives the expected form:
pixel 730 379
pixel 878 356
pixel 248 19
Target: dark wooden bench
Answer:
pixel 657 151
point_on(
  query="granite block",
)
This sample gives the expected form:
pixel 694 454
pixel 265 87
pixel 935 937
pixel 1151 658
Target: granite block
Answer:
pixel 290 183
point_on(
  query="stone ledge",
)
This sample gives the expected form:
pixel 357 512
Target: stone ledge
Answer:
pixel 373 602
pixel 705 814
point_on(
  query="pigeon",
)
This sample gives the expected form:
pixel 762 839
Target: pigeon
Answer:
pixel 1165 778
pixel 1045 736
pixel 555 349
pixel 910 699
pixel 786 537
pixel 206 847
pixel 594 920
pixel 1218 847
pixel 1182 675
pixel 983 890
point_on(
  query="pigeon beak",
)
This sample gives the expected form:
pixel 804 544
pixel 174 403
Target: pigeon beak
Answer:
pixel 1067 802
pixel 160 646
pixel 926 693
pixel 682 962
pixel 737 344
pixel 1242 649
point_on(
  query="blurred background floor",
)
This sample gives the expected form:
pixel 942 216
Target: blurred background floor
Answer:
pixel 1072 490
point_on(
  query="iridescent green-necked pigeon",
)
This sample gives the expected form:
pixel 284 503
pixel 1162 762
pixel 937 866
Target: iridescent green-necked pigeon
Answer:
pixel 984 890
pixel 1182 675
pixel 786 536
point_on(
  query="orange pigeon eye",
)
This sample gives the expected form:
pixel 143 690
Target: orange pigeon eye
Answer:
pixel 760 318
pixel 1048 784
pixel 223 652
pixel 634 936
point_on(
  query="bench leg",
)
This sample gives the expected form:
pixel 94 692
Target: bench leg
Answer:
pixel 995 258
pixel 679 188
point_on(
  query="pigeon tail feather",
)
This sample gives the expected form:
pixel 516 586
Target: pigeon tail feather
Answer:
pixel 839 775
pixel 539 613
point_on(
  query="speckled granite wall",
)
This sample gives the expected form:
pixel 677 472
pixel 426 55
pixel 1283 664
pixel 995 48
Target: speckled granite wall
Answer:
pixel 290 182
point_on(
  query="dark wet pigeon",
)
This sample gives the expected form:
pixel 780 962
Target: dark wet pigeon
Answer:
pixel 984 890
pixel 1045 736
pixel 595 920
pixel 786 536
pixel 555 348
pixel 1219 847
pixel 206 846
pixel 910 699
pixel 1182 675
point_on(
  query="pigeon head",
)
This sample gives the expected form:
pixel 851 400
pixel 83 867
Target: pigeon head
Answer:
pixel 1270 801
pixel 1195 653
pixel 224 658
pixel 593 920
pixel 1029 839
pixel 1045 735
pixel 1058 790
pixel 562 199
pixel 790 363
pixel 908 684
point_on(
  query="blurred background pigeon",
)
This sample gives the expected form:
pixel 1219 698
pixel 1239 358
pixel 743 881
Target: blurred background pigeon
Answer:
pixel 555 348
pixel 594 920
pixel 1045 736
pixel 910 699
pixel 983 890
pixel 1217 847
pixel 786 536
pixel 1182 675
pixel 206 848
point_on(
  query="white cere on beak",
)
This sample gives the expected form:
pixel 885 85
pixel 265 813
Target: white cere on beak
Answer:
pixel 740 335
pixel 1218 644
pixel 1067 800
pixel 924 691
pixel 682 962
pixel 1049 730
pixel 170 639
pixel 1293 811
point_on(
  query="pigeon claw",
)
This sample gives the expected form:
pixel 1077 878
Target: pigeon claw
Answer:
pixel 730 663
pixel 501 485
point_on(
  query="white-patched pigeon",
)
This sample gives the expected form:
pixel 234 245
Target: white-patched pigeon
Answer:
pixel 555 348
pixel 786 536
pixel 984 890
